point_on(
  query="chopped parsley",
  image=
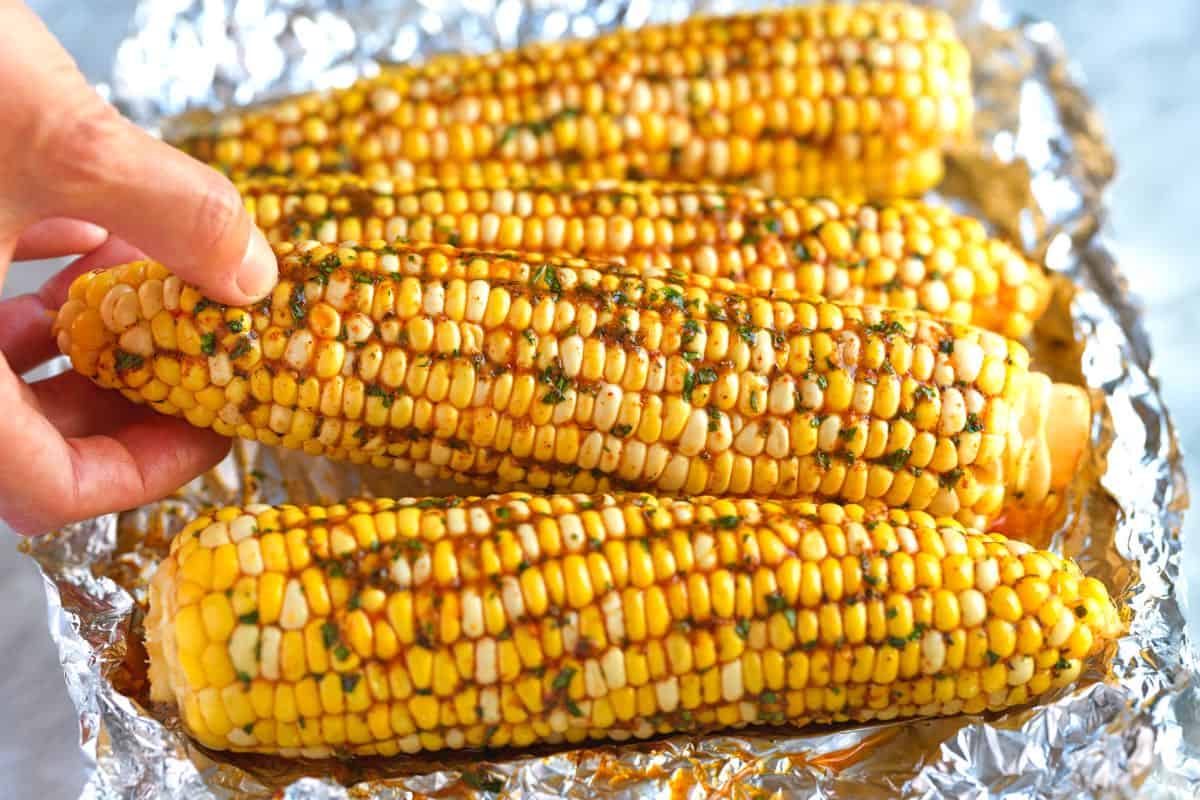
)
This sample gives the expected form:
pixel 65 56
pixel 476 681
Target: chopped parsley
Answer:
pixel 126 360
pixel 563 679
pixel 896 459
pixel 298 303
pixel 559 385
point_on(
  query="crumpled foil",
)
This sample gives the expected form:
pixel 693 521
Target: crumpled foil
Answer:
pixel 1038 173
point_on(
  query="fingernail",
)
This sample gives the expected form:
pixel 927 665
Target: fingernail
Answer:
pixel 259 270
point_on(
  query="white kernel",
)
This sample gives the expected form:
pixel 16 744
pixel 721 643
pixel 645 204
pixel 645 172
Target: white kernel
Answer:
pixel 1057 636
pixel 243 646
pixel 667 693
pixel 614 623
pixel 973 607
pixel 299 349
pixel 271 639
pixel 242 527
pixel 512 598
pixel 214 535
pixel 220 370
pixel 954 542
pixel 422 568
pixel 485 669
pixel 250 557
pixel 172 289
pixel 695 433
pixel 593 679
pixel 1020 670
pixel 150 296
pixel 294 614
pixel 614 521
pixel 472 614
pixel 987 575
pixel 731 681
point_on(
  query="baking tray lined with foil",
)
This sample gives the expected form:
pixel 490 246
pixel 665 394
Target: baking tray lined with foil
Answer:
pixel 1037 173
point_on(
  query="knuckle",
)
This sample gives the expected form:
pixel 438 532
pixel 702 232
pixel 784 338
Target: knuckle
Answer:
pixel 218 212
pixel 79 149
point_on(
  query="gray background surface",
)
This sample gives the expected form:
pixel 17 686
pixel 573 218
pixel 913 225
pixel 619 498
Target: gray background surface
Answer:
pixel 1141 62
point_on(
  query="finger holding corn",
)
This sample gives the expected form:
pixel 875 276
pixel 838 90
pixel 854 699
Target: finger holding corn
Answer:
pixel 376 627
pixel 817 99
pixel 538 371
pixel 902 254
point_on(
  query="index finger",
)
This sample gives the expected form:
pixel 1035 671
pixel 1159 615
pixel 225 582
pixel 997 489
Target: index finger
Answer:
pixel 80 159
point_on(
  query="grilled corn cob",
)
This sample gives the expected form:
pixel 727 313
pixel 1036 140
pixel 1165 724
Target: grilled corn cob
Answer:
pixel 529 371
pixel 809 100
pixel 906 254
pixel 386 626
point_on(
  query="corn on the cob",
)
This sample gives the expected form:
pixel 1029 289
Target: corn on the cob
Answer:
pixel 810 100
pixel 532 371
pixel 904 254
pixel 382 626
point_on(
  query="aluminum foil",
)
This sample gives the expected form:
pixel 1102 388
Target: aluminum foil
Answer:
pixel 1038 173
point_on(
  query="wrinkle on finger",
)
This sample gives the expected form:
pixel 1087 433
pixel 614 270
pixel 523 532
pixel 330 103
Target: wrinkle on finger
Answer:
pixel 144 461
pixel 78 407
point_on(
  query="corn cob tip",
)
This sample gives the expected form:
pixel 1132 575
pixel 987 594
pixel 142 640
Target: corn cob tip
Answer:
pixel 1069 431
pixel 1054 425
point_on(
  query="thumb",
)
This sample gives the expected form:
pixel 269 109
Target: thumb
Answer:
pixel 82 160
pixel 98 167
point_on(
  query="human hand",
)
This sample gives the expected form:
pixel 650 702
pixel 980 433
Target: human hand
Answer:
pixel 75 177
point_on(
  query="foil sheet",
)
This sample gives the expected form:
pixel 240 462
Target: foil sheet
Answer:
pixel 1038 173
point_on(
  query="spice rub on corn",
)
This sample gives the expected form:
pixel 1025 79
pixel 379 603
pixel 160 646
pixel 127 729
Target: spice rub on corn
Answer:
pixel 818 99
pixel 902 254
pixel 538 371
pixel 376 627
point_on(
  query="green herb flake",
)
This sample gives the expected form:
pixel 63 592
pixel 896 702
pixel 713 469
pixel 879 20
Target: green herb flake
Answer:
pixel 329 634
pixel 298 303
pixel 126 360
pixel 481 781
pixel 896 459
pixel 563 679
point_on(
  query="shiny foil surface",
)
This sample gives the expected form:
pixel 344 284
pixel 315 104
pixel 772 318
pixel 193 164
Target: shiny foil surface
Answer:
pixel 1037 173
